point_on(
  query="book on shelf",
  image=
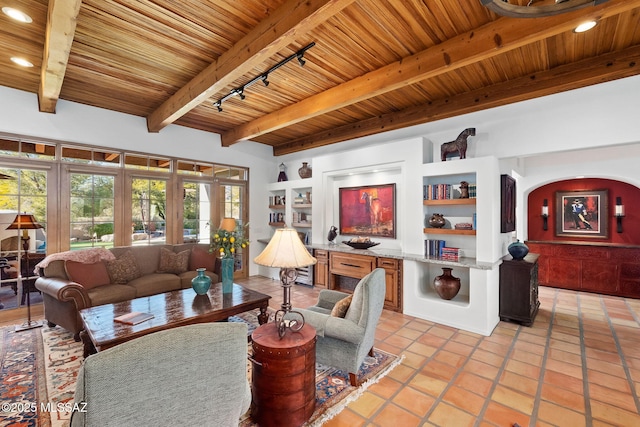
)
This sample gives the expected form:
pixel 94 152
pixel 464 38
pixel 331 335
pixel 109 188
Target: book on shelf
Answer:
pixel 433 247
pixel 134 318
pixel 450 253
pixel 445 191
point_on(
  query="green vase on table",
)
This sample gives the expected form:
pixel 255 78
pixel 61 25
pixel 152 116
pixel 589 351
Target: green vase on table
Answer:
pixel 201 283
pixel 226 271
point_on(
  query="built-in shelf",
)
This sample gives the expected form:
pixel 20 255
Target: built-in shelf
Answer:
pixel 440 202
pixel 277 224
pixel 302 224
pixel 301 205
pixel 449 231
pixel 277 207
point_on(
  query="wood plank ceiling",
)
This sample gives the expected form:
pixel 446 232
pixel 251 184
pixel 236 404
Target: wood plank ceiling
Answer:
pixel 376 65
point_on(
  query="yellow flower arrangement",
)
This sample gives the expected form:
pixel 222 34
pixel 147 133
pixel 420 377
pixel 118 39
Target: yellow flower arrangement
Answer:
pixel 226 243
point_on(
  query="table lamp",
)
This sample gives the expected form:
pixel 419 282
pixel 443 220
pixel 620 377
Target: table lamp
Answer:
pixel 286 251
pixel 228 224
pixel 25 222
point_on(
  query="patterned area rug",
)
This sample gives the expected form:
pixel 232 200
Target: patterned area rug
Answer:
pixel 38 370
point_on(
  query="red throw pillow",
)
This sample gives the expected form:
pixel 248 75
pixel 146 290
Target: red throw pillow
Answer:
pixel 202 258
pixel 87 275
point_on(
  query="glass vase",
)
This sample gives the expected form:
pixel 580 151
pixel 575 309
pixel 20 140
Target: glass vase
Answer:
pixel 226 271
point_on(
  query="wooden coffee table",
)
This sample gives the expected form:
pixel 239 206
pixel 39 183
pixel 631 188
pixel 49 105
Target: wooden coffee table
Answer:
pixel 170 310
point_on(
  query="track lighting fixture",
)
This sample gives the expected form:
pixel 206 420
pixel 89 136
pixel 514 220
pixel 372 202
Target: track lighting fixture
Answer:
pixel 299 55
pixel 533 10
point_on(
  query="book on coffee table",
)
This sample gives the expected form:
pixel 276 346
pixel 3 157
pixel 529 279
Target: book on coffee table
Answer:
pixel 133 318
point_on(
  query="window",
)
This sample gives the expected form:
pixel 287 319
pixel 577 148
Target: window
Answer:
pixel 92 210
pixel 233 204
pixel 196 212
pixel 148 211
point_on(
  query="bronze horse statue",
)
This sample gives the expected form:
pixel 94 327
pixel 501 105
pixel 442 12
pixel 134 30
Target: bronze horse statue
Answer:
pixel 459 145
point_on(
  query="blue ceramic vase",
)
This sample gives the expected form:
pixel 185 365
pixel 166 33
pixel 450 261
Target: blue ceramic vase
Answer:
pixel 518 250
pixel 226 271
pixel 201 283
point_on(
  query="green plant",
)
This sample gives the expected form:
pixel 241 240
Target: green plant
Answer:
pixel 227 243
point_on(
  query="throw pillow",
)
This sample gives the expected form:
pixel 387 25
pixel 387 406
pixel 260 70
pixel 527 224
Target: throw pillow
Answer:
pixel 341 307
pixel 171 262
pixel 202 258
pixel 123 269
pixel 87 275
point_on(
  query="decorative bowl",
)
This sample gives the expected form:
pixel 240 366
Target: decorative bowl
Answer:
pixel 360 245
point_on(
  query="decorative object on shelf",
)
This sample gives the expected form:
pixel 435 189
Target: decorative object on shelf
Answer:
pixel 305 171
pixel 287 252
pixel 459 145
pixel 507 204
pixel 333 233
pixel 463 226
pixel 446 285
pixel 360 243
pixel 25 222
pixel 518 250
pixel 437 220
pixel 226 241
pixel 545 214
pixel 531 10
pixel 201 283
pixel 299 55
pixel 582 214
pixel 368 210
pixel 464 190
pixel 308 197
pixel 282 176
pixel 619 214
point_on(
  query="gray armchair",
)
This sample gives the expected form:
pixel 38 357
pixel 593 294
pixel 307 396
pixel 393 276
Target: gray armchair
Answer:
pixel 344 342
pixel 195 375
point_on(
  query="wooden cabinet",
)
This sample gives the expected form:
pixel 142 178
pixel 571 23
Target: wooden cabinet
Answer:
pixel 321 269
pixel 601 268
pixel 393 276
pixel 346 269
pixel 519 289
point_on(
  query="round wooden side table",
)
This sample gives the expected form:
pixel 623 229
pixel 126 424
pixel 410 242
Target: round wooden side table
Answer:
pixel 283 383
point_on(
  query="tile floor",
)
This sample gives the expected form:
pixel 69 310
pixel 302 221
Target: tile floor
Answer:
pixel 578 365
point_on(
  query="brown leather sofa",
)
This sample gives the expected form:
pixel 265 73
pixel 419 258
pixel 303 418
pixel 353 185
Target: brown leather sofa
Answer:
pixel 64 298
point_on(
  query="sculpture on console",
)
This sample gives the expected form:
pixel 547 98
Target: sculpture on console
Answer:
pixel 459 145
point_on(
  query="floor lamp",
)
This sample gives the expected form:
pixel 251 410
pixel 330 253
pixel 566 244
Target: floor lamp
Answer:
pixel 25 222
pixel 286 251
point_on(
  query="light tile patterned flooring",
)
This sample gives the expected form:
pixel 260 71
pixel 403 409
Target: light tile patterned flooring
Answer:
pixel 578 365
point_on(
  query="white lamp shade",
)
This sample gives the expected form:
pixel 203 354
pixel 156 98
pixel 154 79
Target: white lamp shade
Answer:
pixel 285 250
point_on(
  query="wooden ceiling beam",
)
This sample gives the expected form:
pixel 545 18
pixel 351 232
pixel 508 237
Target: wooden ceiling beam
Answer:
pixel 492 39
pixel 292 19
pixel 587 72
pixel 61 27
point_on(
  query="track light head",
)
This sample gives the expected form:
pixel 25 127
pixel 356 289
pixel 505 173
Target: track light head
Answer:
pixel 264 79
pixel 218 105
pixel 301 60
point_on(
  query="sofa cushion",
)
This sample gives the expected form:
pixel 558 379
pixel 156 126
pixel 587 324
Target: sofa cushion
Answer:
pixel 171 262
pixel 155 283
pixel 341 307
pixel 202 258
pixel 123 269
pixel 87 275
pixel 109 294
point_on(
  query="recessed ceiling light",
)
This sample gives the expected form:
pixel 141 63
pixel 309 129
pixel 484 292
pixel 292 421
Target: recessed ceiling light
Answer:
pixel 17 15
pixel 21 62
pixel 585 26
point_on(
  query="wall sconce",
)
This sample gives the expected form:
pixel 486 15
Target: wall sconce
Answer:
pixel 545 214
pixel 619 213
